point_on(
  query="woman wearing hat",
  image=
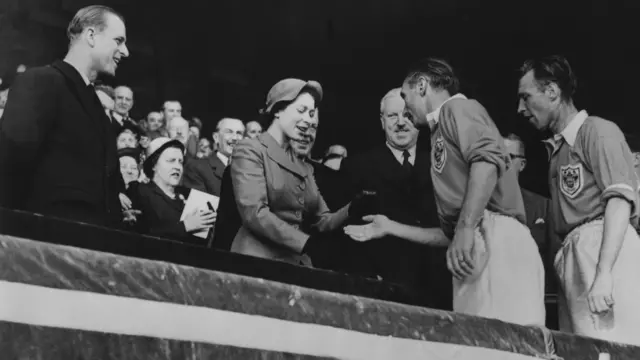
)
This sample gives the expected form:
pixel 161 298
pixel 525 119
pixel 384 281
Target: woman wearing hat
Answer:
pixel 162 200
pixel 277 196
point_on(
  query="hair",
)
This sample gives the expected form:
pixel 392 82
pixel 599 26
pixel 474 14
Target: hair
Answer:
pixel 196 122
pixel 391 94
pixel 164 105
pixel 219 124
pixel 439 73
pixel 552 69
pixel 515 138
pixel 107 90
pixel 124 87
pixel 90 16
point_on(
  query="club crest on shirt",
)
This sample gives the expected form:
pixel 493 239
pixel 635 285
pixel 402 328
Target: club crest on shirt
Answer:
pixel 439 154
pixel 571 180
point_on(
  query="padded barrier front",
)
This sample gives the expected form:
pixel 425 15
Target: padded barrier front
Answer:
pixel 61 302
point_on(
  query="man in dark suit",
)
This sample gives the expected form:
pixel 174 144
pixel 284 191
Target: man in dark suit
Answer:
pixel 206 174
pixel 398 173
pixel 57 149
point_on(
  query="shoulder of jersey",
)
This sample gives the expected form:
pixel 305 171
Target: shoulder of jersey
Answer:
pixel 467 104
pixel 601 126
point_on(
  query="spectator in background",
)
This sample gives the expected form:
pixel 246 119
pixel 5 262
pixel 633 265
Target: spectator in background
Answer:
pixel 178 129
pixel 334 156
pixel 253 129
pixel 21 68
pixel 129 137
pixel 122 105
pixel 276 194
pixel 155 124
pixel 171 109
pixel 204 148
pixel 206 174
pixel 57 150
pixel 196 127
pixel 162 200
pixel 129 167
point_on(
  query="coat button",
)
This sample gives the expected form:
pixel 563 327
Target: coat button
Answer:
pixel 302 186
pixel 301 201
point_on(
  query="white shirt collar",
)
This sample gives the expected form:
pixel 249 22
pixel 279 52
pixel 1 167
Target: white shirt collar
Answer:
pixel 434 117
pixel 223 158
pixel 398 154
pixel 570 132
pixel 119 118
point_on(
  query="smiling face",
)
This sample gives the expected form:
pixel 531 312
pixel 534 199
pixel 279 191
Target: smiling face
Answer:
pixel 168 169
pixel 230 132
pixel 124 100
pixel 399 131
pixel 108 46
pixel 291 120
pixel 253 129
pixel 126 139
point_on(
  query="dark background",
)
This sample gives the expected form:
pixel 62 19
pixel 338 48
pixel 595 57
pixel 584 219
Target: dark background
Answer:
pixel 219 58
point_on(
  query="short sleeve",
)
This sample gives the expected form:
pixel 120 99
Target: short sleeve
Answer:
pixel 468 124
pixel 611 162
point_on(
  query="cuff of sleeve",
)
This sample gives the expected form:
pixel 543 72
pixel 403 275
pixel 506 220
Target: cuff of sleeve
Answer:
pixel 501 163
pixel 621 191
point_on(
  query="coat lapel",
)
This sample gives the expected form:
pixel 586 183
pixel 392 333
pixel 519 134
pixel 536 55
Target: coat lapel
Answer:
pixel 217 165
pixel 84 95
pixel 278 154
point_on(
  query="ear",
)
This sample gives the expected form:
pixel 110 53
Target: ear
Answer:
pixel 422 86
pixel 636 158
pixel 91 36
pixel 553 92
pixel 216 137
pixel 523 164
pixel 382 121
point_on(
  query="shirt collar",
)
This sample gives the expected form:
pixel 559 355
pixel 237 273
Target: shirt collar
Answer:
pixel 434 117
pixel 223 158
pixel 570 132
pixel 398 153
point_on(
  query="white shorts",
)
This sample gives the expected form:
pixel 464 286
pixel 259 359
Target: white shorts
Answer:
pixel 510 285
pixel 575 265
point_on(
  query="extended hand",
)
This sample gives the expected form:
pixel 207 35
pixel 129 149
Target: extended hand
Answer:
pixel 377 227
pixel 600 296
pixel 460 256
pixel 130 215
pixel 199 220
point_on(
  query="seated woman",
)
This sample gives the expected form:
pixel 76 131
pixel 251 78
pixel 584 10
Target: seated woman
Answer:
pixel 162 200
pixel 276 194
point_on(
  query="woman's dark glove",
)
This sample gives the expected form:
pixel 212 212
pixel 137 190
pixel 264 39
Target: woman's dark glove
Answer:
pixel 364 203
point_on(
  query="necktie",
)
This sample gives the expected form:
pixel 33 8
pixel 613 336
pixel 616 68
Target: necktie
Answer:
pixel 406 165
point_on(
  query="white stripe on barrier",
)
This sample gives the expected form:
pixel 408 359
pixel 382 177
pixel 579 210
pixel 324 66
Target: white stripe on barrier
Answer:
pixel 70 309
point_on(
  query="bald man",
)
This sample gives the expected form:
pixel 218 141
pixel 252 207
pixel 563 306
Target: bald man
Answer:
pixel 178 129
pixel 206 174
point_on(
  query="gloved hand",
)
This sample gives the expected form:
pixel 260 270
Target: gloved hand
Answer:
pixel 364 203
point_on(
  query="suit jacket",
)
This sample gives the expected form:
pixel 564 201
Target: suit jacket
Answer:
pixel 228 222
pixel 57 149
pixel 204 174
pixel 407 199
pixel 278 201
